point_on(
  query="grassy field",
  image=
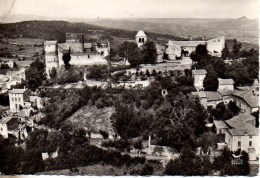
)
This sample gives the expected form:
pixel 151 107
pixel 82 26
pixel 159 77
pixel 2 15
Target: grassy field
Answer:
pixel 93 119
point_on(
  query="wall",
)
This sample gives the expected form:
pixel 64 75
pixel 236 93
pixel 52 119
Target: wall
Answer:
pixel 15 100
pixel 51 61
pixel 76 47
pixel 216 44
pixel 245 108
pixel 226 87
pixel 4 130
pixel 143 40
pixel 50 48
pixel 198 81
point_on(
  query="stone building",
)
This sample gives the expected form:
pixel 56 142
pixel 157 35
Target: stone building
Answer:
pixel 4 130
pixel 177 49
pixel 82 51
pixel 199 76
pixel 248 100
pixel 243 134
pixel 226 84
pixel 140 38
pixel 18 98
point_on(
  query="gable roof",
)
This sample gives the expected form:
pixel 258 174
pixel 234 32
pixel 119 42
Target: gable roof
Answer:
pixel 249 97
pixel 243 124
pixel 213 96
pixel 220 124
pixel 140 33
pixel 225 81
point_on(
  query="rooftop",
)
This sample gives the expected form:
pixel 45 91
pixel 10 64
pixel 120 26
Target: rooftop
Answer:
pixel 50 42
pixel 225 81
pixel 249 96
pixel 17 91
pixel 5 120
pixel 199 72
pixel 200 94
pixel 140 33
pixel 226 92
pixel 213 96
pixel 185 43
pixel 220 124
pixel 243 124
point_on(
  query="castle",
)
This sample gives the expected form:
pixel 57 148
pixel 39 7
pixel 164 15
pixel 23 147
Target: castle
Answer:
pixel 177 49
pixel 82 51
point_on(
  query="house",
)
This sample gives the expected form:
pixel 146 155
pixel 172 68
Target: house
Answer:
pixel 208 98
pixel 243 134
pixel 140 38
pixel 225 84
pixel 15 77
pixel 248 100
pixel 199 76
pixel 18 98
pixel 220 126
pixel 226 95
pixel 4 126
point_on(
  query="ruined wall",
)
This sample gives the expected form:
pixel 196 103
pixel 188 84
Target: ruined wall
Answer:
pixel 216 44
pixel 51 61
pixel 83 59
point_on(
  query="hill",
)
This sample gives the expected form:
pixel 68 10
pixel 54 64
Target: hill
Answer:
pixel 55 30
pixel 242 28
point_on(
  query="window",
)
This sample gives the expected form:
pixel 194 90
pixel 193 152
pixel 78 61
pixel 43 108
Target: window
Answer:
pixel 250 143
pixel 239 144
pixel 19 99
pixel 140 39
pixel 15 99
pixel 250 136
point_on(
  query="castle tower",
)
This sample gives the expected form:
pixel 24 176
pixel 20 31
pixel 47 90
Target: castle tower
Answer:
pixel 51 56
pixel 140 38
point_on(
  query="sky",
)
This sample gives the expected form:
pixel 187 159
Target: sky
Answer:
pixel 133 8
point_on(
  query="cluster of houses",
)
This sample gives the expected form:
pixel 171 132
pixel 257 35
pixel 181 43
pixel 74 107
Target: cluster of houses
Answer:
pixel 240 131
pixel 19 120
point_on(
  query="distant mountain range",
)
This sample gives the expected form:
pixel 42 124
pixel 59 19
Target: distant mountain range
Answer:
pixel 244 29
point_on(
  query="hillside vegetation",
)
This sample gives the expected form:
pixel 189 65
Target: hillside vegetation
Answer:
pixel 55 30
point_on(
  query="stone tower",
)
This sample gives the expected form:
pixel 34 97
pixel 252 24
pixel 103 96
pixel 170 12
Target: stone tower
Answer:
pixel 51 56
pixel 140 38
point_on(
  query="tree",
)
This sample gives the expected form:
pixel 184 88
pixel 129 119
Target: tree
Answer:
pixel 225 52
pixel 131 52
pixel 149 53
pixel 224 164
pixel 35 74
pixel 201 50
pixel 210 82
pixel 236 47
pixel 66 59
pixel 53 72
pixel 188 164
